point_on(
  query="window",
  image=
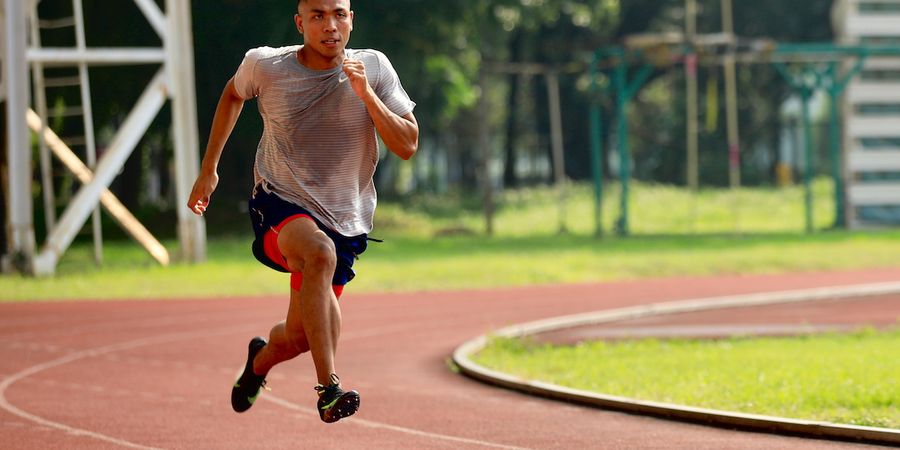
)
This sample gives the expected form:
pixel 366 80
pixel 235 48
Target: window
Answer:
pixel 878 177
pixel 880 40
pixel 877 109
pixel 879 214
pixel 879 143
pixel 876 7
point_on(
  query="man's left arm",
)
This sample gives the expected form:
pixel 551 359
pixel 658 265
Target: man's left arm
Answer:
pixel 399 133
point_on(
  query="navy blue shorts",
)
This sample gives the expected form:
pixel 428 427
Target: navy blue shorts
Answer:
pixel 268 213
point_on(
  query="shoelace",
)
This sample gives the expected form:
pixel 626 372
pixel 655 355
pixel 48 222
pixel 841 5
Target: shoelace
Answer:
pixel 335 384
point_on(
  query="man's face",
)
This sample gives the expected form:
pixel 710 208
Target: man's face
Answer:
pixel 326 25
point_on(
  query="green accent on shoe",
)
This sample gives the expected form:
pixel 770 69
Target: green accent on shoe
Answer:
pixel 328 406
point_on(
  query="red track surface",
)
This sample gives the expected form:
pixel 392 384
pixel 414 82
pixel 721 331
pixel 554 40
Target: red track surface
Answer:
pixel 158 373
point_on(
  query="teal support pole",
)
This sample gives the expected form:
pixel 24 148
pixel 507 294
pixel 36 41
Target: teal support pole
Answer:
pixel 625 92
pixel 596 153
pixel 835 156
pixel 805 84
pixel 835 91
pixel 805 95
pixel 624 158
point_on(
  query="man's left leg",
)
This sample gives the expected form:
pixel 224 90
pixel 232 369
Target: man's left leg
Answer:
pixel 316 313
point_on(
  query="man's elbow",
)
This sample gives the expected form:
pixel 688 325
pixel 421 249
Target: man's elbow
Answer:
pixel 408 151
pixel 410 147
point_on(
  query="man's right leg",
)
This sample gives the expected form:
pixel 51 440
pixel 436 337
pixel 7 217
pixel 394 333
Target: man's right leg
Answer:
pixel 280 347
pixel 262 356
pixel 287 340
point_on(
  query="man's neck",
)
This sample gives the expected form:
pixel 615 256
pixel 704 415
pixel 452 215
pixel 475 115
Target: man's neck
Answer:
pixel 317 61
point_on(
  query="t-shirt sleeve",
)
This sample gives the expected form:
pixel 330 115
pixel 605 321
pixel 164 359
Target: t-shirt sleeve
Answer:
pixel 245 82
pixel 389 89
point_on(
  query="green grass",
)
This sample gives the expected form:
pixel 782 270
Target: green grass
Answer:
pixel 464 262
pixel 653 210
pixel 840 378
pixel 435 243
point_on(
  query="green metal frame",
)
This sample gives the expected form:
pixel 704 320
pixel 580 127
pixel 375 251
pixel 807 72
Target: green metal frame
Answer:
pixel 812 77
pixel 625 91
pixel 596 122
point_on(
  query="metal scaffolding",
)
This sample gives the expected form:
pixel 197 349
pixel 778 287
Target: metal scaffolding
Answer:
pixel 174 82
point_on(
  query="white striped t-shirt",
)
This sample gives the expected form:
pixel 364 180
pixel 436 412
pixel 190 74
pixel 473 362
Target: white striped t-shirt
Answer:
pixel 318 148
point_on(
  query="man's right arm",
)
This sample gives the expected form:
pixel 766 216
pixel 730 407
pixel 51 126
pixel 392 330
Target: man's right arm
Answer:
pixel 227 112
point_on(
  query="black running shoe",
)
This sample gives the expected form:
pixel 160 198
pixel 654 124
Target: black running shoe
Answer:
pixel 334 404
pixel 246 388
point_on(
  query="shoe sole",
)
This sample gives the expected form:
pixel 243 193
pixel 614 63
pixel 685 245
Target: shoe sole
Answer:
pixel 346 406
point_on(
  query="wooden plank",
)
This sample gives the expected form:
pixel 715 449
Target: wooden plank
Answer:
pixel 126 139
pixel 109 200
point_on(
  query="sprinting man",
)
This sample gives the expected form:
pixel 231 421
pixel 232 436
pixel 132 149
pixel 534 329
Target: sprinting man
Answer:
pixel 314 198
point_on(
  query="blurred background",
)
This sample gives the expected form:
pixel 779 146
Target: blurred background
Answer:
pixel 500 63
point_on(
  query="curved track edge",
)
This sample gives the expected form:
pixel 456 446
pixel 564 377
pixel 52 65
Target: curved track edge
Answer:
pixel 771 424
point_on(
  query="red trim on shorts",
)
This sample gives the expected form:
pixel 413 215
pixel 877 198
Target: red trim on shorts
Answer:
pixel 297 283
pixel 270 247
pixel 270 241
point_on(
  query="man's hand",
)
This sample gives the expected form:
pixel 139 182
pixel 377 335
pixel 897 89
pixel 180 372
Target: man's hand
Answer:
pixel 400 134
pixel 203 188
pixel 355 71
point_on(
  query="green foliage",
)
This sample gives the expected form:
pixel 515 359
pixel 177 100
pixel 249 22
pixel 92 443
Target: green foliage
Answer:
pixel 841 378
pixel 451 80
pixel 438 49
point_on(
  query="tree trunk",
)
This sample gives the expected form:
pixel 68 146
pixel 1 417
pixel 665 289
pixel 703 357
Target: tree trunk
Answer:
pixel 510 180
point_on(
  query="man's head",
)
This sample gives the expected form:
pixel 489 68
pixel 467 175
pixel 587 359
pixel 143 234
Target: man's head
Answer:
pixel 325 25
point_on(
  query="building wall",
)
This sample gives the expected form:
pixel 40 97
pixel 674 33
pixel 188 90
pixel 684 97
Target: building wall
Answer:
pixel 871 114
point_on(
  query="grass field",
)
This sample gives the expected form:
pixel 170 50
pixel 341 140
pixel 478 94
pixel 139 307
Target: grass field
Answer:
pixel 840 378
pixel 654 210
pixel 436 243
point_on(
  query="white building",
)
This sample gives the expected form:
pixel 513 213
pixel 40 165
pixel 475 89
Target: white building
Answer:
pixel 871 114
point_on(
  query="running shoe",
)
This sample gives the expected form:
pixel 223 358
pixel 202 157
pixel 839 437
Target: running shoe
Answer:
pixel 246 388
pixel 334 404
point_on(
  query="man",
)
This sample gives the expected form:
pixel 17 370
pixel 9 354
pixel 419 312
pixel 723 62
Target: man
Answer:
pixel 314 197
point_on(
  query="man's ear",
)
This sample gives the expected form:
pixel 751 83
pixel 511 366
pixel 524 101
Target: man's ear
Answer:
pixel 298 21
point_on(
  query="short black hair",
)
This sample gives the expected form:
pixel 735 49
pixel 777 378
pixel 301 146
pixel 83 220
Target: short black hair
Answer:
pixel 300 2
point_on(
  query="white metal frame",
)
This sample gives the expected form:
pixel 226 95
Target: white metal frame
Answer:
pixel 174 81
pixel 20 229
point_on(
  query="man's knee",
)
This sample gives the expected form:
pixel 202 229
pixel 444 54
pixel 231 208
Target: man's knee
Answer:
pixel 317 257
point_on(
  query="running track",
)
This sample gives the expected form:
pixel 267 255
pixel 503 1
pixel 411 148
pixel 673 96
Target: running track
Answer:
pixel 157 374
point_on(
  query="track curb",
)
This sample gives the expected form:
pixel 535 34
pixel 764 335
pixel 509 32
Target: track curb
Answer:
pixel 771 424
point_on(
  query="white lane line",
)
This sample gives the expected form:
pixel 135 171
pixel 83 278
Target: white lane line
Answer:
pixel 384 426
pixel 98 351
pixel 101 351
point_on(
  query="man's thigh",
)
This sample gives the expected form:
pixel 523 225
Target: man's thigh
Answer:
pixel 301 240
